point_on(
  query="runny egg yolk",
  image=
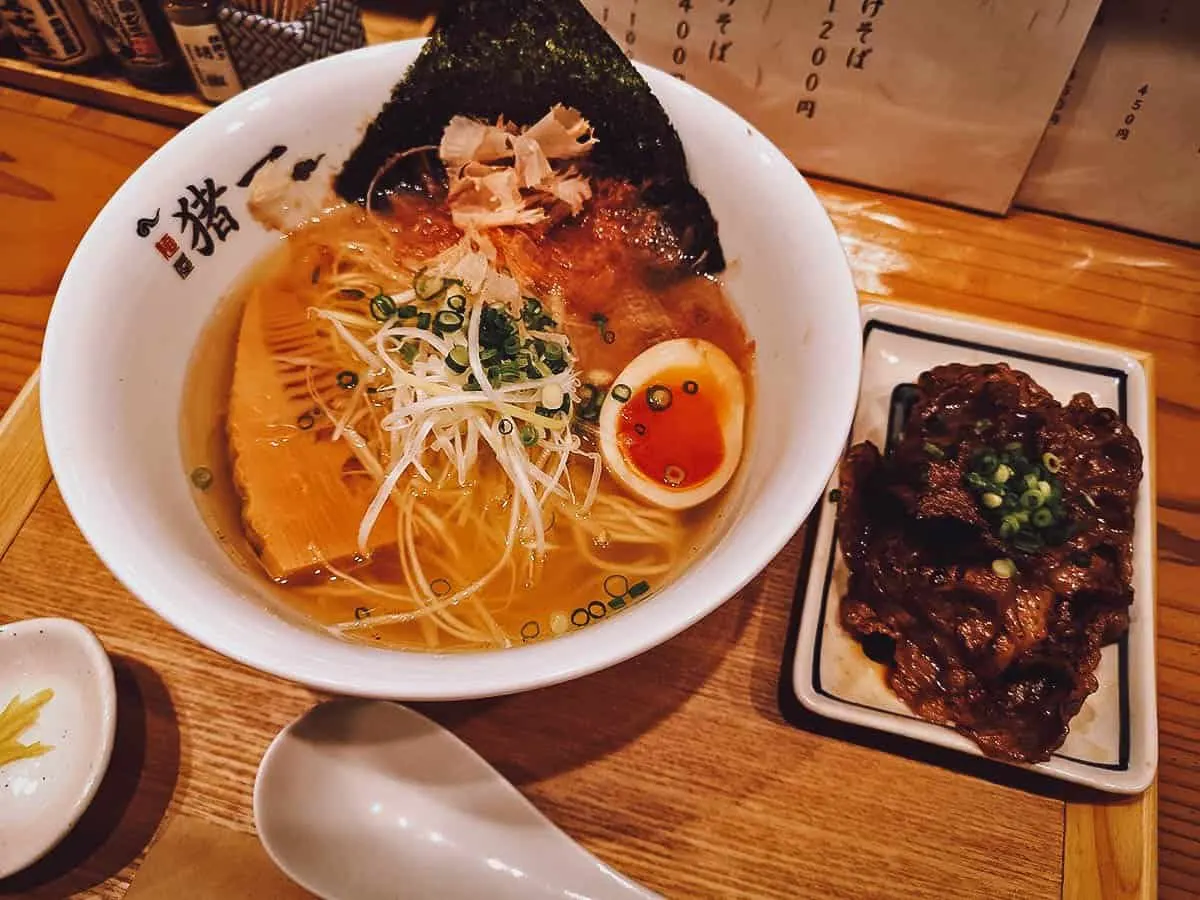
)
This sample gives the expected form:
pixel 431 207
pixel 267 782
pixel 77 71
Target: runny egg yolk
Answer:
pixel 671 430
pixel 671 427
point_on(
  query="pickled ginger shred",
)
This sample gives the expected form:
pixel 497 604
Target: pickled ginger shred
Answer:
pixel 15 719
pixel 503 175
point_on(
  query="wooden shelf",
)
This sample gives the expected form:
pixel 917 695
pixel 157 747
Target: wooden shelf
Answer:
pixel 111 91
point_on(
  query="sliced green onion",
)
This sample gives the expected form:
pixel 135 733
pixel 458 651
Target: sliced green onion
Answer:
pixel 456 302
pixel 424 320
pixel 533 316
pixel 347 380
pixel 621 393
pixel 202 478
pixel 529 435
pixel 636 590
pixel 382 307
pixel 447 322
pixel 1005 568
pixel 1052 463
pixel 1042 518
pixel 458 360
pixel 1025 510
pixel 934 451
pixel 658 397
pixel 407 311
pixel 835 495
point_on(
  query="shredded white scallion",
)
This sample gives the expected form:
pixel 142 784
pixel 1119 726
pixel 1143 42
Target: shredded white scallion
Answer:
pixel 452 387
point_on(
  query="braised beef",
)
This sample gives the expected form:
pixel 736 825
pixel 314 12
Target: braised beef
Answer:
pixel 1007 661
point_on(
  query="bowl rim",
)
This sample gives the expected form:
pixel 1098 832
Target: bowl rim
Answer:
pixel 772 533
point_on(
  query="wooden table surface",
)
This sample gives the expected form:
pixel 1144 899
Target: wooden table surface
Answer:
pixel 676 767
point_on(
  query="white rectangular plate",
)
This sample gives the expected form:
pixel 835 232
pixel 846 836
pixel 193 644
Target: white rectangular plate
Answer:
pixel 1113 743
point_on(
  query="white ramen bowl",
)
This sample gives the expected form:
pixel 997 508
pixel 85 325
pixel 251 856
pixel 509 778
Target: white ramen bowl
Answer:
pixel 125 323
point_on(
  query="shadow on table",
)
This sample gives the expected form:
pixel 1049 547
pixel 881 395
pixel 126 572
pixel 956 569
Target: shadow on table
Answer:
pixel 591 717
pixel 131 800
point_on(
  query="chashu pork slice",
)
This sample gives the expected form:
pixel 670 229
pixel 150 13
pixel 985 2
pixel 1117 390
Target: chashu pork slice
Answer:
pixel 303 494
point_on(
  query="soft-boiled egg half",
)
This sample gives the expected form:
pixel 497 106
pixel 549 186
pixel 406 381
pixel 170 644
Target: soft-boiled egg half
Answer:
pixel 671 426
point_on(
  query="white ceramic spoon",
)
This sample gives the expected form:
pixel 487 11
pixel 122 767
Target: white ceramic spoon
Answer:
pixel 358 800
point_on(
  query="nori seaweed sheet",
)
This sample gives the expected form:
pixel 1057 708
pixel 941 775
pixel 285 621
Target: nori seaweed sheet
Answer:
pixel 517 58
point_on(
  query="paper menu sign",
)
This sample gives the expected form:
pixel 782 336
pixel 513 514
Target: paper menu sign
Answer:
pixel 942 100
pixel 1123 145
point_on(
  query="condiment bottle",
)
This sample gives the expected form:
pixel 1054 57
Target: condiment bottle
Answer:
pixel 204 48
pixel 56 33
pixel 139 38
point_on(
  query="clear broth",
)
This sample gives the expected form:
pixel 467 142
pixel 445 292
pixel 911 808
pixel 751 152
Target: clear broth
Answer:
pixel 571 590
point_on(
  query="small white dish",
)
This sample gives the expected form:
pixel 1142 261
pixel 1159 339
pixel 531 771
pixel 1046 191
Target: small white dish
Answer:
pixel 360 800
pixel 1113 742
pixel 42 798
